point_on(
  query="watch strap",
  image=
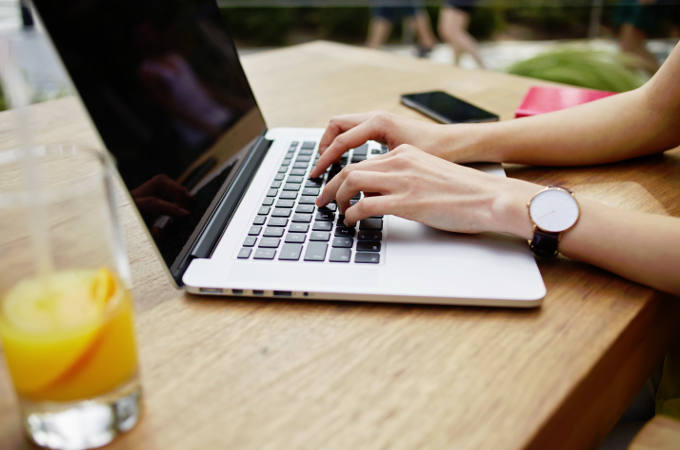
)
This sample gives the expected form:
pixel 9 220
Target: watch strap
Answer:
pixel 544 244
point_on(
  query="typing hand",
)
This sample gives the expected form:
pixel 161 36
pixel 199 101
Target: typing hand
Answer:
pixel 352 130
pixel 415 185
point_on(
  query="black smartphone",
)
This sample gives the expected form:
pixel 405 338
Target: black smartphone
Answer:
pixel 445 108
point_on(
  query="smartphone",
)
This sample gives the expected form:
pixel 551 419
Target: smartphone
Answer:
pixel 445 108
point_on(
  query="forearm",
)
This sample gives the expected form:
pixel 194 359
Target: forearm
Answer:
pixel 638 246
pixel 615 128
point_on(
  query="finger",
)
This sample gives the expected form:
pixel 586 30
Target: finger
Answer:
pixel 338 125
pixel 328 193
pixel 351 138
pixel 371 206
pixel 363 181
pixel 153 206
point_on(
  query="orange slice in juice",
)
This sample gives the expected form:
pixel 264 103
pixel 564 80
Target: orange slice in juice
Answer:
pixel 47 325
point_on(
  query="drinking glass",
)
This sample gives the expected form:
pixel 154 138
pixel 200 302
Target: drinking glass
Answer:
pixel 66 313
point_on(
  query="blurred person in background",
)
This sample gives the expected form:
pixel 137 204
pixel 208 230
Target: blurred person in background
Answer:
pixel 637 19
pixel 454 18
pixel 386 14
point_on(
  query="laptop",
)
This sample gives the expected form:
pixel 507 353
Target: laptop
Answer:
pixel 227 202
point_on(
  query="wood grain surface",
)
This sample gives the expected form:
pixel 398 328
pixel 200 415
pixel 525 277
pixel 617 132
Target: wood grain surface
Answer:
pixel 236 373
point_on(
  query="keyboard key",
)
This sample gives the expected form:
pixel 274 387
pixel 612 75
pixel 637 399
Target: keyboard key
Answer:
pixel 264 253
pixel 277 222
pixel 294 144
pixel 250 241
pixel 291 187
pixel 296 238
pixel 281 212
pixel 259 220
pixel 298 172
pixel 285 203
pixel 375 151
pixel 295 179
pixel 343 242
pixel 275 232
pixel 279 176
pixel 322 226
pixel 269 242
pixel 264 210
pixel 283 170
pixel 275 185
pixel 356 159
pixel 361 150
pixel 290 252
pixel 329 207
pixel 298 227
pixel 369 235
pixel 255 230
pixel 244 253
pixel 320 236
pixel 303 158
pixel 368 246
pixel 306 151
pixel 310 191
pixel 300 165
pixel 268 201
pixel 272 192
pixel 327 216
pixel 290 195
pixel 306 209
pixel 306 218
pixel 371 224
pixel 342 231
pixel 340 255
pixel 316 251
pixel 307 200
pixel 369 258
pixel 314 182
pixel 308 144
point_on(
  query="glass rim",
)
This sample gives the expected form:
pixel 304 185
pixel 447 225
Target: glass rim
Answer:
pixel 23 196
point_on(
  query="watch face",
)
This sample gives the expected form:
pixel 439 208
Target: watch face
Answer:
pixel 554 210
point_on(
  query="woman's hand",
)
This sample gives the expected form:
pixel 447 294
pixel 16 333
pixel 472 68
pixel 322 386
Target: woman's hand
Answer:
pixel 413 184
pixel 352 130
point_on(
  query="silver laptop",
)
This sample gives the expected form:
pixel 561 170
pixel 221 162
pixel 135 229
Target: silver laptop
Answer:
pixel 228 202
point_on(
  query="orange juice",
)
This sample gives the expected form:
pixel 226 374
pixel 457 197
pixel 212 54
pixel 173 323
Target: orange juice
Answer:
pixel 68 337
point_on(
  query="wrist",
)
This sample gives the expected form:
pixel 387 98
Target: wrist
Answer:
pixel 471 143
pixel 509 209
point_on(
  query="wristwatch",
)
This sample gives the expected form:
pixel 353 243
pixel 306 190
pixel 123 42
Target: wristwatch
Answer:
pixel 553 211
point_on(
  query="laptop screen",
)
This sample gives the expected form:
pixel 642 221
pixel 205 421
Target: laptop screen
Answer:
pixel 163 84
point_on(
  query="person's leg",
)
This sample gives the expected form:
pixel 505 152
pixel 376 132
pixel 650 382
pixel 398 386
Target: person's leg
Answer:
pixel 424 29
pixel 378 31
pixel 453 29
pixel 632 40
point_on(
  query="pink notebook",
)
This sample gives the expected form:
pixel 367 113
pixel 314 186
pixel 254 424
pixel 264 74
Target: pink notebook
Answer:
pixel 543 99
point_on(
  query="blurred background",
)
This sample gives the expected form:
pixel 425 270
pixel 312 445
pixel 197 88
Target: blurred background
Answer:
pixel 612 45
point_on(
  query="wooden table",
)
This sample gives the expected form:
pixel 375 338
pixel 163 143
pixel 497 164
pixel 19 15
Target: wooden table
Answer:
pixel 236 373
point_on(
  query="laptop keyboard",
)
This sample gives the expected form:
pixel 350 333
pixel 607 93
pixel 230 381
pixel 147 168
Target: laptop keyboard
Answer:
pixel 290 227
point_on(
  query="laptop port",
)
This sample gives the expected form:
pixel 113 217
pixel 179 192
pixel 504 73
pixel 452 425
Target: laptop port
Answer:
pixel 209 290
pixel 258 292
pixel 237 291
pixel 283 293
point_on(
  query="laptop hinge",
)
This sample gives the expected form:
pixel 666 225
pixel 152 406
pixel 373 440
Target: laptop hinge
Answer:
pixel 207 240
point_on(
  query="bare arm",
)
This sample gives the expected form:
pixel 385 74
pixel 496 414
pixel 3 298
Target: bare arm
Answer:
pixel 635 123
